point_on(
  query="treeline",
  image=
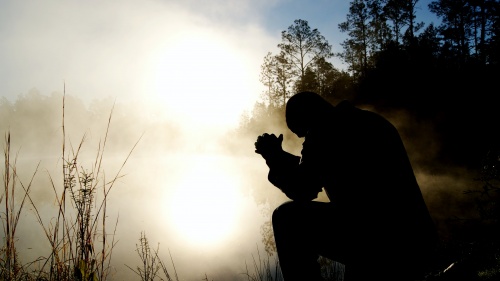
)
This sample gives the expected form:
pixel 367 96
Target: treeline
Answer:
pixel 445 75
pixel 35 122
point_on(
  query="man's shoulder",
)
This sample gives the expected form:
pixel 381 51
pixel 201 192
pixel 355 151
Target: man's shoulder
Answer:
pixel 344 104
pixel 352 113
pixel 347 108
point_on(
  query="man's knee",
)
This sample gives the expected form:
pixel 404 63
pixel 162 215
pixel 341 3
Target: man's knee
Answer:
pixel 284 211
pixel 293 212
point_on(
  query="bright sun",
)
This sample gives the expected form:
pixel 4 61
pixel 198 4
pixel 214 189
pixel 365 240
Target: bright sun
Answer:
pixel 205 203
pixel 204 83
pixel 202 79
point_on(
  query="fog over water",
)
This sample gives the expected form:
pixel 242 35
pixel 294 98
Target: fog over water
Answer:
pixel 185 192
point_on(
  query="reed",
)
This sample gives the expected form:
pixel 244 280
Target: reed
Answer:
pixel 263 268
pixel 151 265
pixel 81 245
pixel 10 266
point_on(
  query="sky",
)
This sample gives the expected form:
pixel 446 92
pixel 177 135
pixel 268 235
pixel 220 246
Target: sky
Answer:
pixel 150 50
pixel 193 63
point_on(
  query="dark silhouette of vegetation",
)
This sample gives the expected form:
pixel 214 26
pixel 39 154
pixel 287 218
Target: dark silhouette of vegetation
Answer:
pixel 151 263
pixel 301 65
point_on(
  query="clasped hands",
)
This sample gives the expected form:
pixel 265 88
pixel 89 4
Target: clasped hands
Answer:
pixel 268 145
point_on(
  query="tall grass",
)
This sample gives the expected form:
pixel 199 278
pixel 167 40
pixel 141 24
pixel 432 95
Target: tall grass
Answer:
pixel 10 266
pixel 268 269
pixel 263 268
pixel 80 245
pixel 151 263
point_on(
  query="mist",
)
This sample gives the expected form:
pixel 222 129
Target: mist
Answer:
pixel 165 168
pixel 443 184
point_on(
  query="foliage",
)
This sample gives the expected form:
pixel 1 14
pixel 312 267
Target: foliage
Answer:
pixel 276 75
pixel 468 32
pixel 356 47
pixel 301 47
pixel 301 64
pixel 468 28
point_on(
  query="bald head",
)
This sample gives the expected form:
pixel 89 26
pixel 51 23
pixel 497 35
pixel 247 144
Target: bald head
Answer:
pixel 304 110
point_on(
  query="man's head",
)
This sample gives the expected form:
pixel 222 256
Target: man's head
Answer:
pixel 304 110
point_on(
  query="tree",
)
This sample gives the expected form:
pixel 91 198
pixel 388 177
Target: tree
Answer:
pixel 284 77
pixel 298 66
pixel 276 75
pixel 309 82
pixel 267 76
pixel 409 18
pixel 492 45
pixel 456 25
pixel 394 12
pixel 325 75
pixel 302 46
pixel 429 42
pixel 356 47
pixel 379 28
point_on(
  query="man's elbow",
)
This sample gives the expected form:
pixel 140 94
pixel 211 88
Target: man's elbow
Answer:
pixel 301 196
pixel 294 188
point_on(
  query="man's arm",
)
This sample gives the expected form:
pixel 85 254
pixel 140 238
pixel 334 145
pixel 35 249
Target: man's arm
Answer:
pixel 286 171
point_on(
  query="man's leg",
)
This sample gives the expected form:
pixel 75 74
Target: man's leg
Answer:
pixel 300 231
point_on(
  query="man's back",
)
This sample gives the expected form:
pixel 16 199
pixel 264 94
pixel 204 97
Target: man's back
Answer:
pixel 370 180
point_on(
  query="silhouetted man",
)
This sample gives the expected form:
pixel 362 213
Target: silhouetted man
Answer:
pixel 376 223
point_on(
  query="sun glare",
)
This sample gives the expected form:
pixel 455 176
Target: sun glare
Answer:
pixel 204 206
pixel 203 80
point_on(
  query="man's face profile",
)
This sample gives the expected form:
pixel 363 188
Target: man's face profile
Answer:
pixel 299 131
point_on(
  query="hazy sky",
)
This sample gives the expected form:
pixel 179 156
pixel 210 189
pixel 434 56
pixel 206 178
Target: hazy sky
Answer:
pixel 195 63
pixel 181 53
